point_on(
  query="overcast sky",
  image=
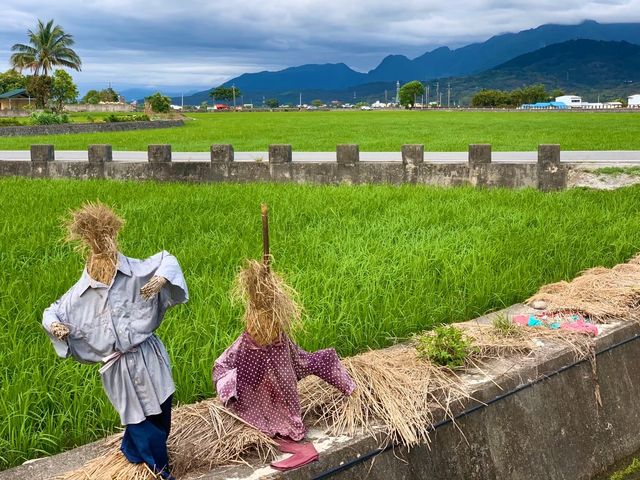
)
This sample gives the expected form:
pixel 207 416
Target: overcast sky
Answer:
pixel 201 43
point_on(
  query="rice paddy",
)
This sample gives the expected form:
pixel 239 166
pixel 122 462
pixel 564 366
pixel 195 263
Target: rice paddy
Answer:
pixel 371 265
pixel 384 131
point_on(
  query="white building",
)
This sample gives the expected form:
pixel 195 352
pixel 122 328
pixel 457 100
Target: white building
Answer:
pixel 634 101
pixel 572 101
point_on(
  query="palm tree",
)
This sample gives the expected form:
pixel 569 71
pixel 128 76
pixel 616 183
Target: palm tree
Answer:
pixel 49 46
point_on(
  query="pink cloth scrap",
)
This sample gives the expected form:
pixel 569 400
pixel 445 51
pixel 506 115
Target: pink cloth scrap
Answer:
pixel 580 327
pixel 259 384
pixel 574 322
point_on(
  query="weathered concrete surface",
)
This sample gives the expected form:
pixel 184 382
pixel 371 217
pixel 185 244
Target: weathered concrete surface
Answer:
pixel 347 154
pixel 536 418
pixel 99 153
pixel 395 173
pixel 22 131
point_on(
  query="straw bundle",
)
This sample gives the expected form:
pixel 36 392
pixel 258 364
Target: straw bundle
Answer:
pixel 270 306
pixel 204 435
pixel 397 395
pixel 602 294
pixel 490 341
pixel 95 227
pixel 111 466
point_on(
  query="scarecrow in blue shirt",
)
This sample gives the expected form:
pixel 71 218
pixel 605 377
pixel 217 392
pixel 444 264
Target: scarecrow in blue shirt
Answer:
pixel 109 316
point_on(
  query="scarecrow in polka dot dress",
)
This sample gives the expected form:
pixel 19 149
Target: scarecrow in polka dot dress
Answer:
pixel 109 316
pixel 257 376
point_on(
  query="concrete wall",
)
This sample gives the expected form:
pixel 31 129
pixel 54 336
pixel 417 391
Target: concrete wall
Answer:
pixel 106 107
pixel 86 128
pixel 547 174
pixel 14 113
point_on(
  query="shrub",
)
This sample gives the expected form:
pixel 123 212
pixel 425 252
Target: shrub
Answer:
pixel 446 346
pixel 159 103
pixel 9 122
pixel 139 117
pixel 48 118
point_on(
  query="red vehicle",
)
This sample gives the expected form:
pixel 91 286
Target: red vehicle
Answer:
pixel 221 106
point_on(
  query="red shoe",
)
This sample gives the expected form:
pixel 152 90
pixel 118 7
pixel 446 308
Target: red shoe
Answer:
pixel 303 454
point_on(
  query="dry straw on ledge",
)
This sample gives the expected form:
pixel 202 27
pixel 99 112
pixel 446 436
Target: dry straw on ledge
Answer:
pixel 602 294
pixel 203 436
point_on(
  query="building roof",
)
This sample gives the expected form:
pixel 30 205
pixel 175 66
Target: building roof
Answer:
pixel 16 93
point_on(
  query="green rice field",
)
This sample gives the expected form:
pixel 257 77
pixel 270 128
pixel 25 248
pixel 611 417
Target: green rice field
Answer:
pixel 440 131
pixel 372 265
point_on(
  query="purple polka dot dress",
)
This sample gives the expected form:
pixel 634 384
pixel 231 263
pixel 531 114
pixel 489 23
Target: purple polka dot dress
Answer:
pixel 259 384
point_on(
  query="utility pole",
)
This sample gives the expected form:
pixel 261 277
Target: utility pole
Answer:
pixel 438 97
pixel 182 100
pixel 427 95
pixel 233 88
pixel 300 102
pixel 385 96
pixel 449 95
pixel 398 92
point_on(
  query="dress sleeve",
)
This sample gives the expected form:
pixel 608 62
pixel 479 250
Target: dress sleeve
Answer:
pixel 225 373
pixel 50 316
pixel 175 291
pixel 324 364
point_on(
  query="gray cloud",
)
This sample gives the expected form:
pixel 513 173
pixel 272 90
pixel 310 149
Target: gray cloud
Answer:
pixel 202 43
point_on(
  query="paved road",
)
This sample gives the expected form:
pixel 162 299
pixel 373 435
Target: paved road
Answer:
pixel 609 157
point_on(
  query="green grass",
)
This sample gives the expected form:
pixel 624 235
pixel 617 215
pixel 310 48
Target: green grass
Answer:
pixel 371 263
pixel 633 171
pixel 625 474
pixel 374 131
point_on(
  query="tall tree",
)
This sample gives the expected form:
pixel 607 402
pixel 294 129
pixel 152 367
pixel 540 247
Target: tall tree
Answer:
pixel 159 103
pixel 49 47
pixel 225 93
pixel 63 89
pixel 11 80
pixel 410 92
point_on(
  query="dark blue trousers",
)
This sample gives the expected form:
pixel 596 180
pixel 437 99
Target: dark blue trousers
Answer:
pixel 146 442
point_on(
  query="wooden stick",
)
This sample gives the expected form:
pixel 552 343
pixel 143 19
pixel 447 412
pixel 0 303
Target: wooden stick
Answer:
pixel 265 235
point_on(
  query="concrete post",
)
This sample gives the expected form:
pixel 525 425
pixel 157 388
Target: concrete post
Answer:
pixel 42 153
pixel 551 174
pixel 280 153
pixel 549 155
pixel 222 153
pixel 479 154
pixel 159 153
pixel 348 154
pixel 100 153
pixel 412 154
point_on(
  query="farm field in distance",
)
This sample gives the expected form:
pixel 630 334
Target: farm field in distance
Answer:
pixel 440 131
pixel 372 265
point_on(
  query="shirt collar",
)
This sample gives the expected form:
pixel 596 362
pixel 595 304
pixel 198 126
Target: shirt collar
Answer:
pixel 87 282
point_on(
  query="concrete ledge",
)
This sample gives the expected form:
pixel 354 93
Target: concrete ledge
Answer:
pixel 28 130
pixel 536 418
pixel 347 168
pixel 395 173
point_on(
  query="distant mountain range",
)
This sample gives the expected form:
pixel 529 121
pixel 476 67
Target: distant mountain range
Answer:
pixel 590 68
pixel 545 54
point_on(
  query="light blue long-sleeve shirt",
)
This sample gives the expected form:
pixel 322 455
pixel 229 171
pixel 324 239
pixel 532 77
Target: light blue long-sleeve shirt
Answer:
pixel 114 324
